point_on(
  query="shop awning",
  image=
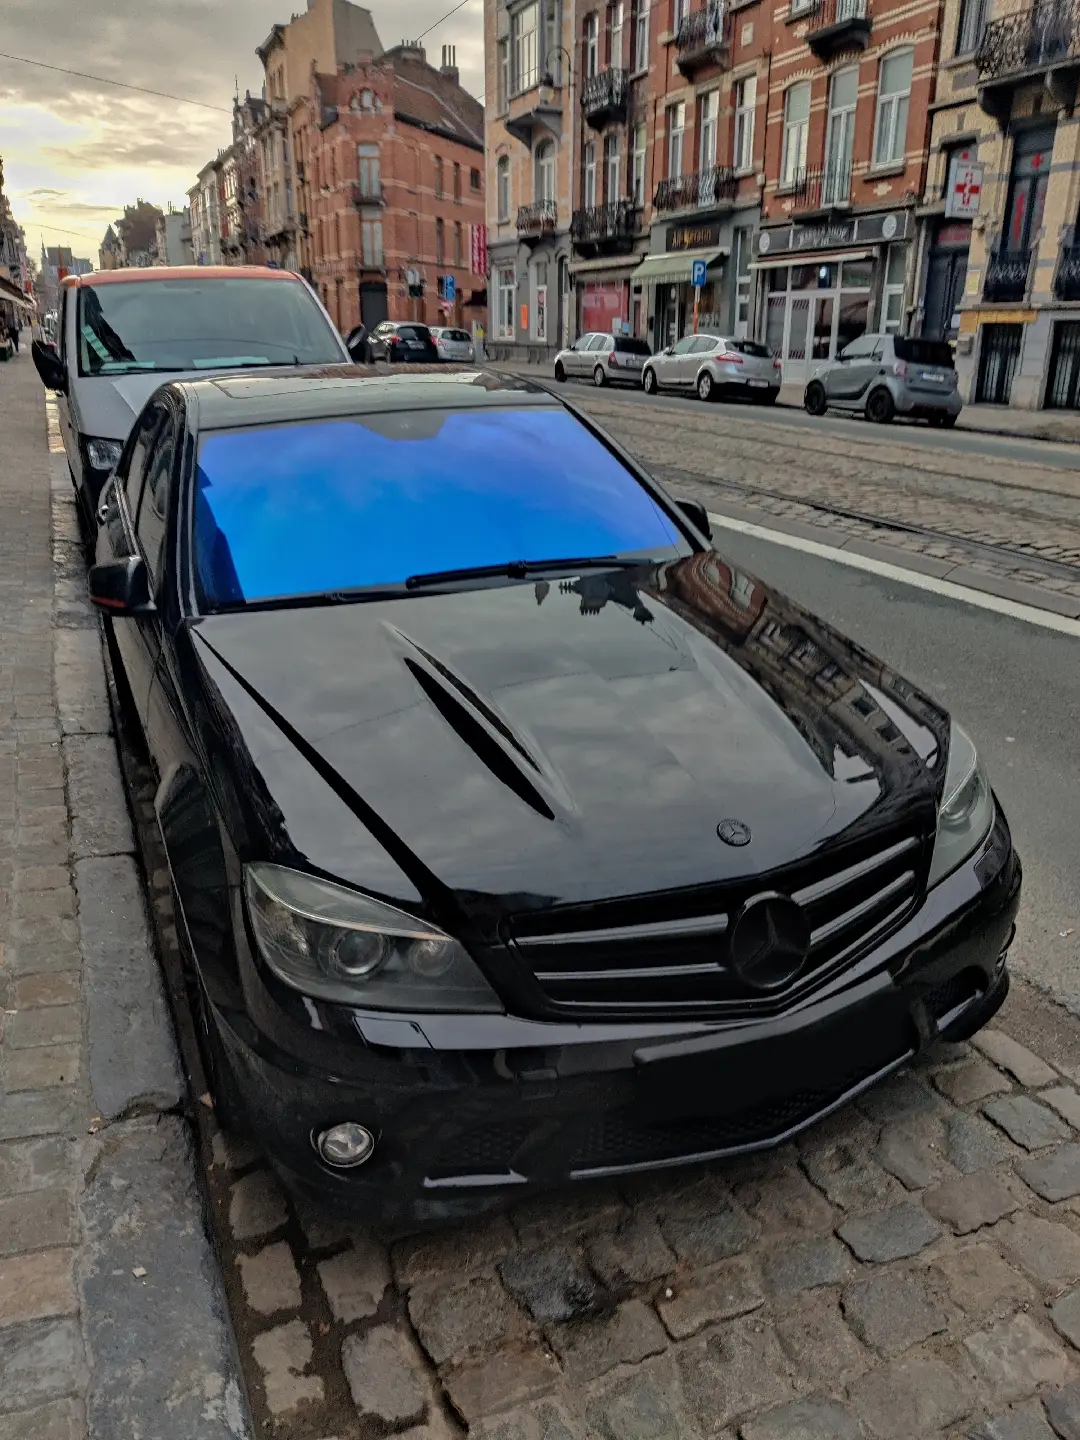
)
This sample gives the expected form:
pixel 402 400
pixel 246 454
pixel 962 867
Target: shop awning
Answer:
pixel 604 262
pixel 815 257
pixel 14 295
pixel 673 268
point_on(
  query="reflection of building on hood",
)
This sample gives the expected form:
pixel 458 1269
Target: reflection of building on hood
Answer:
pixel 597 590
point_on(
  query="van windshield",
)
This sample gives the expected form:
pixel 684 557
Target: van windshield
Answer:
pixel 200 324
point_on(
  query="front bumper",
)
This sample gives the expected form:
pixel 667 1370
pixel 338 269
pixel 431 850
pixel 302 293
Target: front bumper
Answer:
pixel 468 1109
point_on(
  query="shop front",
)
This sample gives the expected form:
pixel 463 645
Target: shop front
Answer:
pixel 663 278
pixel 820 286
pixel 603 294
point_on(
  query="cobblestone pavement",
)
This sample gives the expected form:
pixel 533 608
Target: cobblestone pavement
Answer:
pixel 1023 525
pixel 111 1322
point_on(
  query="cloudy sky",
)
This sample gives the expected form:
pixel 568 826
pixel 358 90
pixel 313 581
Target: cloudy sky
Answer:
pixel 75 151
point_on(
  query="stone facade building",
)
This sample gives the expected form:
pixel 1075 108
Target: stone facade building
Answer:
pixel 388 154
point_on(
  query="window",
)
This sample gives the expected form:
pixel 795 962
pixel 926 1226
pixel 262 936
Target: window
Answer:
pixel 612 162
pixel 367 162
pixel 553 59
pixel 641 35
pixel 525 35
pixel 371 243
pixel 745 105
pixel 540 297
pixel 588 176
pixel 796 131
pixel 464 493
pixel 676 126
pixel 438 178
pixel 615 45
pixel 679 11
pixel 457 181
pixel 972 24
pixel 708 110
pixel 474 180
pixel 894 93
pixel 893 294
pixel 638 167
pixel 840 136
pixel 591 45
pixel 457 242
pixel 440 242
pixel 154 504
pixel 502 187
pixel 545 171
pixel 505 293
pixel 502 75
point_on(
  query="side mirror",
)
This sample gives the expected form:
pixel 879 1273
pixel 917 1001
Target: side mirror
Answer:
pixel 49 366
pixel 122 587
pixel 669 350
pixel 698 516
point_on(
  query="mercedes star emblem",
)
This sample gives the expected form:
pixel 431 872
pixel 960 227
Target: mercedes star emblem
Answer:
pixel 770 941
pixel 733 832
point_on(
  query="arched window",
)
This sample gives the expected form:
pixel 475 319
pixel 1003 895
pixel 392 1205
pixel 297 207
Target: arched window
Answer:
pixel 502 186
pixel 545 171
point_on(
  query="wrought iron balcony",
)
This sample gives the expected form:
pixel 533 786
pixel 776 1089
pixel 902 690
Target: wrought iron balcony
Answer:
pixel 602 226
pixel 1042 40
pixel 1067 279
pixel 1007 275
pixel 699 191
pixel 603 96
pixel 537 219
pixel 368 192
pixel 703 37
pixel 828 188
pixel 837 25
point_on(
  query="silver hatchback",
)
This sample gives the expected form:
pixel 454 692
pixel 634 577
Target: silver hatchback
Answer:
pixel 455 345
pixel 603 359
pixel 882 376
pixel 711 366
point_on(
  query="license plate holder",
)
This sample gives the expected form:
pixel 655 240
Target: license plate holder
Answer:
pixel 758 384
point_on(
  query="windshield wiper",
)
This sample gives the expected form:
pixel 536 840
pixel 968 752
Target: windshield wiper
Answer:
pixel 519 569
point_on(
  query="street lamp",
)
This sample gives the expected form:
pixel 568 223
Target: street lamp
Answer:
pixel 548 79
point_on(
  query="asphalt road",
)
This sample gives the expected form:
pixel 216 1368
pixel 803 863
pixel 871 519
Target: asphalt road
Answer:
pixel 965 442
pixel 1014 686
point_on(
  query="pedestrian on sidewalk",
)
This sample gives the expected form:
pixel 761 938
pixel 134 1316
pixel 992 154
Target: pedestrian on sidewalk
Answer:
pixel 11 328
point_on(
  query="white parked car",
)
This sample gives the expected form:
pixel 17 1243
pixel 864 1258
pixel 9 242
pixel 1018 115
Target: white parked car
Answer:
pixel 715 365
pixel 603 359
pixel 455 345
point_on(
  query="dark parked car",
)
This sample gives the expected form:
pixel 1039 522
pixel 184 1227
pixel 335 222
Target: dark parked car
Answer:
pixel 517 837
pixel 396 340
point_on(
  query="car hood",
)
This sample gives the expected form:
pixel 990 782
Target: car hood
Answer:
pixel 565 741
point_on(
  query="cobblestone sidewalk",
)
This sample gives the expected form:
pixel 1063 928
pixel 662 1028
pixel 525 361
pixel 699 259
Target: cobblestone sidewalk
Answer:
pixel 111 1320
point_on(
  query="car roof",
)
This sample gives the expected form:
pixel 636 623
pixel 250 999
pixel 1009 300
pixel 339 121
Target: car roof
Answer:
pixel 313 392
pixel 178 272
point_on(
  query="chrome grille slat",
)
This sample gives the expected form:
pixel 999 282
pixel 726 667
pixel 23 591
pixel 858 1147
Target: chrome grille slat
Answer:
pixel 812 893
pixel 616 934
pixel 644 972
pixel 857 912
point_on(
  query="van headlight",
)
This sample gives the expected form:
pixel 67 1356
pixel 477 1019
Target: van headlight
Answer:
pixel 335 944
pixel 967 807
pixel 104 454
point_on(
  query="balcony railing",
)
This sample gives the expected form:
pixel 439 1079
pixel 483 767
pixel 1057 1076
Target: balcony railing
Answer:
pixel 709 188
pixel 603 96
pixel 1007 275
pixel 1067 279
pixel 600 223
pixel 539 218
pixel 837 25
pixel 703 36
pixel 367 192
pixel 1045 35
pixel 828 188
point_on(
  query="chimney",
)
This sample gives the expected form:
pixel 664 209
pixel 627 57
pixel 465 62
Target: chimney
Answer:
pixel 449 64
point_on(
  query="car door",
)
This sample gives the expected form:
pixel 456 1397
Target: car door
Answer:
pixel 576 356
pixel 598 353
pixel 703 346
pixel 678 366
pixel 846 377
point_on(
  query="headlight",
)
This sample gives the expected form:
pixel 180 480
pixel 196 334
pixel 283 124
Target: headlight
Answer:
pixel 327 941
pixel 104 454
pixel 967 807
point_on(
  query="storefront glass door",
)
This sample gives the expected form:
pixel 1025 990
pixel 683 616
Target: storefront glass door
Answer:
pixel 812 311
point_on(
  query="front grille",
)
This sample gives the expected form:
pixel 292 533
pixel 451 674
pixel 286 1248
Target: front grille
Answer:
pixel 669 952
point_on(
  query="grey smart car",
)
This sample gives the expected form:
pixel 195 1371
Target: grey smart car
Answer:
pixel 882 376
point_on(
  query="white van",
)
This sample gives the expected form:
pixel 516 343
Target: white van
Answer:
pixel 121 333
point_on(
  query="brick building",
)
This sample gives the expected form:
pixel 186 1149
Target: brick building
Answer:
pixel 1000 274
pixel 389 158
pixel 846 133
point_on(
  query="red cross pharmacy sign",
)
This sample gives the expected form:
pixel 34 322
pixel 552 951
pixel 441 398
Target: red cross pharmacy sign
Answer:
pixel 965 187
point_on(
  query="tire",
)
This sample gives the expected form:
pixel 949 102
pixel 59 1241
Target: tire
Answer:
pixel 815 401
pixel 560 372
pixel 879 406
pixel 599 379
pixel 948 421
pixel 648 382
pixel 706 390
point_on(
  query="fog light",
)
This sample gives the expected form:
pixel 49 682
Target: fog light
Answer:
pixel 345 1146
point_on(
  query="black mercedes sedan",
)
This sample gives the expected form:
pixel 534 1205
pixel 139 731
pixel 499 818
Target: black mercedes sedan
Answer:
pixel 517 837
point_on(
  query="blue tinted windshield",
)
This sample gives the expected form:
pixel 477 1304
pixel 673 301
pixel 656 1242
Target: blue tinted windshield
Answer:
pixel 338 504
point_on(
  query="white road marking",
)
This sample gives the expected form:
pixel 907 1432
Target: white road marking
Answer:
pixel 1045 619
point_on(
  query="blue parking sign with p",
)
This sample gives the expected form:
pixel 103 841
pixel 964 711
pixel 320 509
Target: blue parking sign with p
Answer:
pixel 449 287
pixel 697 274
